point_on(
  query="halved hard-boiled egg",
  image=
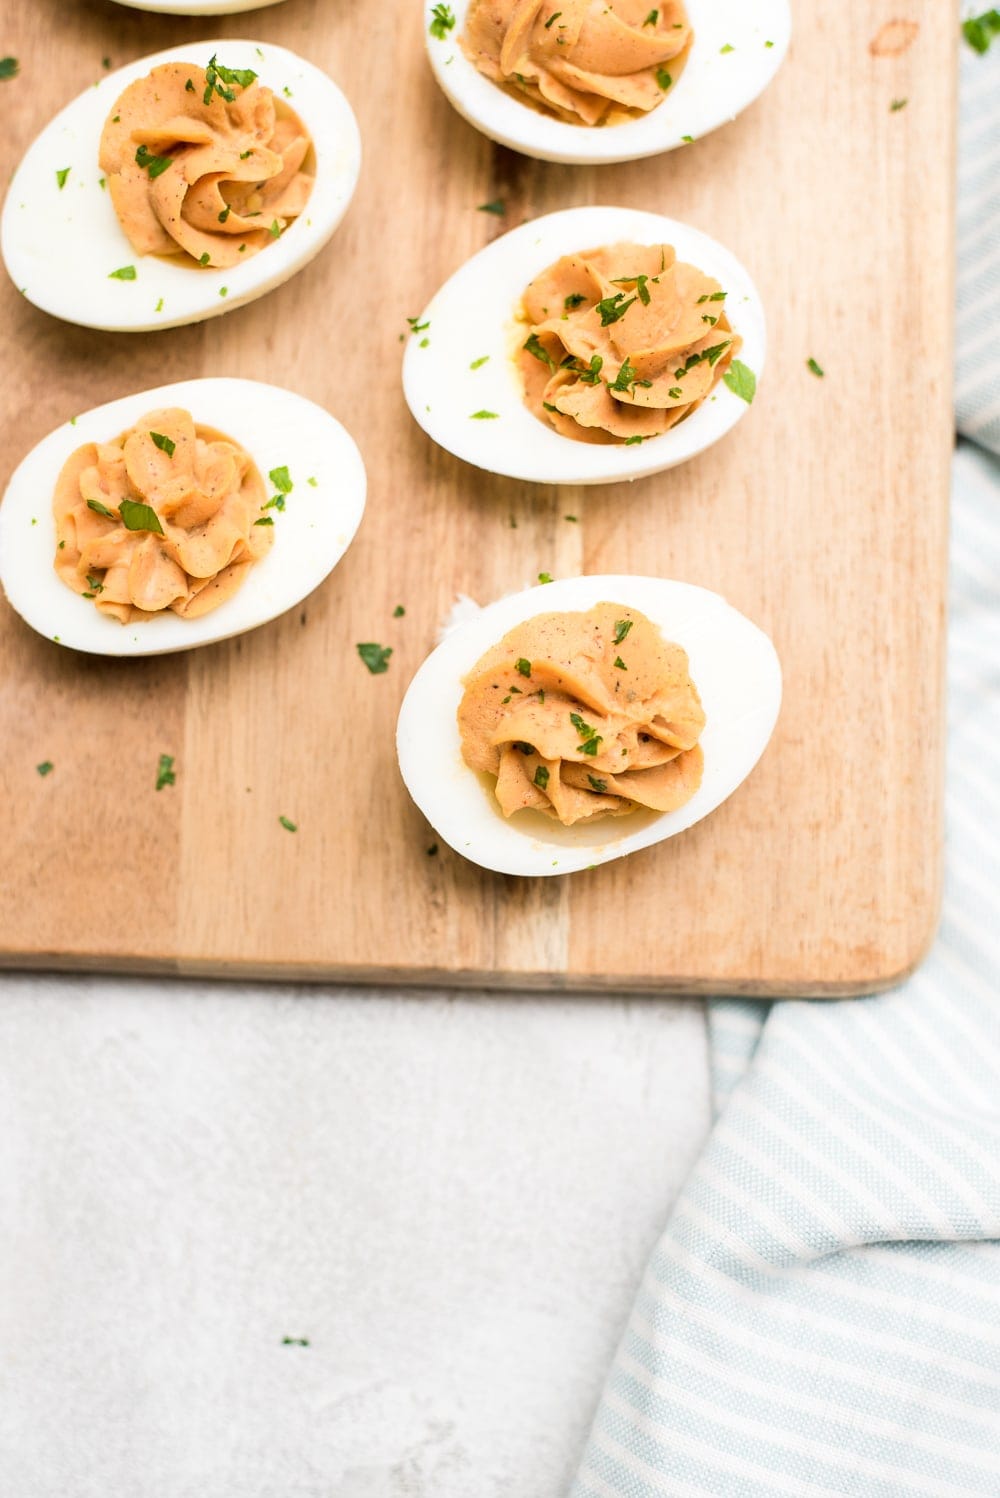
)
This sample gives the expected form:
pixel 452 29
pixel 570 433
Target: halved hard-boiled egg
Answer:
pixel 736 676
pixel 737 48
pixel 312 482
pixel 460 373
pixel 67 252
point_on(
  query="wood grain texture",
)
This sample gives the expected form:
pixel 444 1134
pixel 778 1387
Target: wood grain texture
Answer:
pixel 823 517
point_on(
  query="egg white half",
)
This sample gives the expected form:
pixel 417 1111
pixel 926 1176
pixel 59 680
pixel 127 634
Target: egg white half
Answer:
pixel 713 88
pixel 278 429
pixel 198 7
pixel 733 664
pixel 473 315
pixel 61 245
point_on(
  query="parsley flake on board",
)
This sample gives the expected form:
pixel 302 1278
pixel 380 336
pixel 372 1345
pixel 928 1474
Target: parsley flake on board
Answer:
pixel 8 67
pixel 398 611
pixel 442 21
pixel 292 1341
pixel 375 657
pixel 289 826
pixel 622 627
pixel 497 207
pixel 136 516
pixel 165 773
pixel 165 444
pixel 545 577
pixel 45 768
pixel 897 105
pixel 815 369
pixel 741 380
pixel 61 176
pixel 123 273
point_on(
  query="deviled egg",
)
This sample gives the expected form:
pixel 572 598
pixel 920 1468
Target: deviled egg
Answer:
pixel 737 48
pixel 463 385
pixel 307 469
pixel 67 251
pixel 729 706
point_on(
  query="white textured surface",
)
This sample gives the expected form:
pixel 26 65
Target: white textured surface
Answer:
pixel 452 1197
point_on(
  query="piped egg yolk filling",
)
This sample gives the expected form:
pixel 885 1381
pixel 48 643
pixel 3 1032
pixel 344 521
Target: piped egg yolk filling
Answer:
pixel 209 170
pixel 584 715
pixel 588 62
pixel 170 515
pixel 623 342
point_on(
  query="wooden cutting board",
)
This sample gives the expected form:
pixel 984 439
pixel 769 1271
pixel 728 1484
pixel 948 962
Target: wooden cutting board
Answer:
pixel 823 517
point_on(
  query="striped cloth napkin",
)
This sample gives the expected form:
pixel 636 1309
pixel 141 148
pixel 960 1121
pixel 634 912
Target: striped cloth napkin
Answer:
pixel 822 1313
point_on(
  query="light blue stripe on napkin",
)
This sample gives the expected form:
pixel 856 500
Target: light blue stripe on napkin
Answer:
pixel 822 1314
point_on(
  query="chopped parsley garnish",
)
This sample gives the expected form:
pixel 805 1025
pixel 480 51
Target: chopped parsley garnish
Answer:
pixel 154 165
pixel 225 213
pixel 716 296
pixel 217 76
pixel 583 729
pixel 545 577
pixel 598 785
pixel 375 657
pixel 620 664
pixel 442 21
pixel 45 768
pixel 552 19
pixel 165 444
pixel 573 300
pixel 61 176
pixel 203 258
pixel 265 520
pixel 624 378
pixel 978 31
pixel 538 349
pixel 124 273
pixel 815 368
pixel 8 67
pixel 95 504
pixel 634 441
pixel 484 416
pixel 137 516
pixel 611 308
pixel 478 363
pixel 707 317
pixel 95 584
pixel 541 777
pixel 290 826
pixel 165 773
pixel 592 375
pixel 663 78
pixel 398 611
pixel 276 502
pixel 522 666
pixel 639 282
pixel 622 627
pixel 652 18
pixel 189 87
pixel 497 207
pixel 741 380
pixel 675 392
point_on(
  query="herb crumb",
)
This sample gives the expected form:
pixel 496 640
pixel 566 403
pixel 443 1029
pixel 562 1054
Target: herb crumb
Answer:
pixel 45 768
pixel 165 773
